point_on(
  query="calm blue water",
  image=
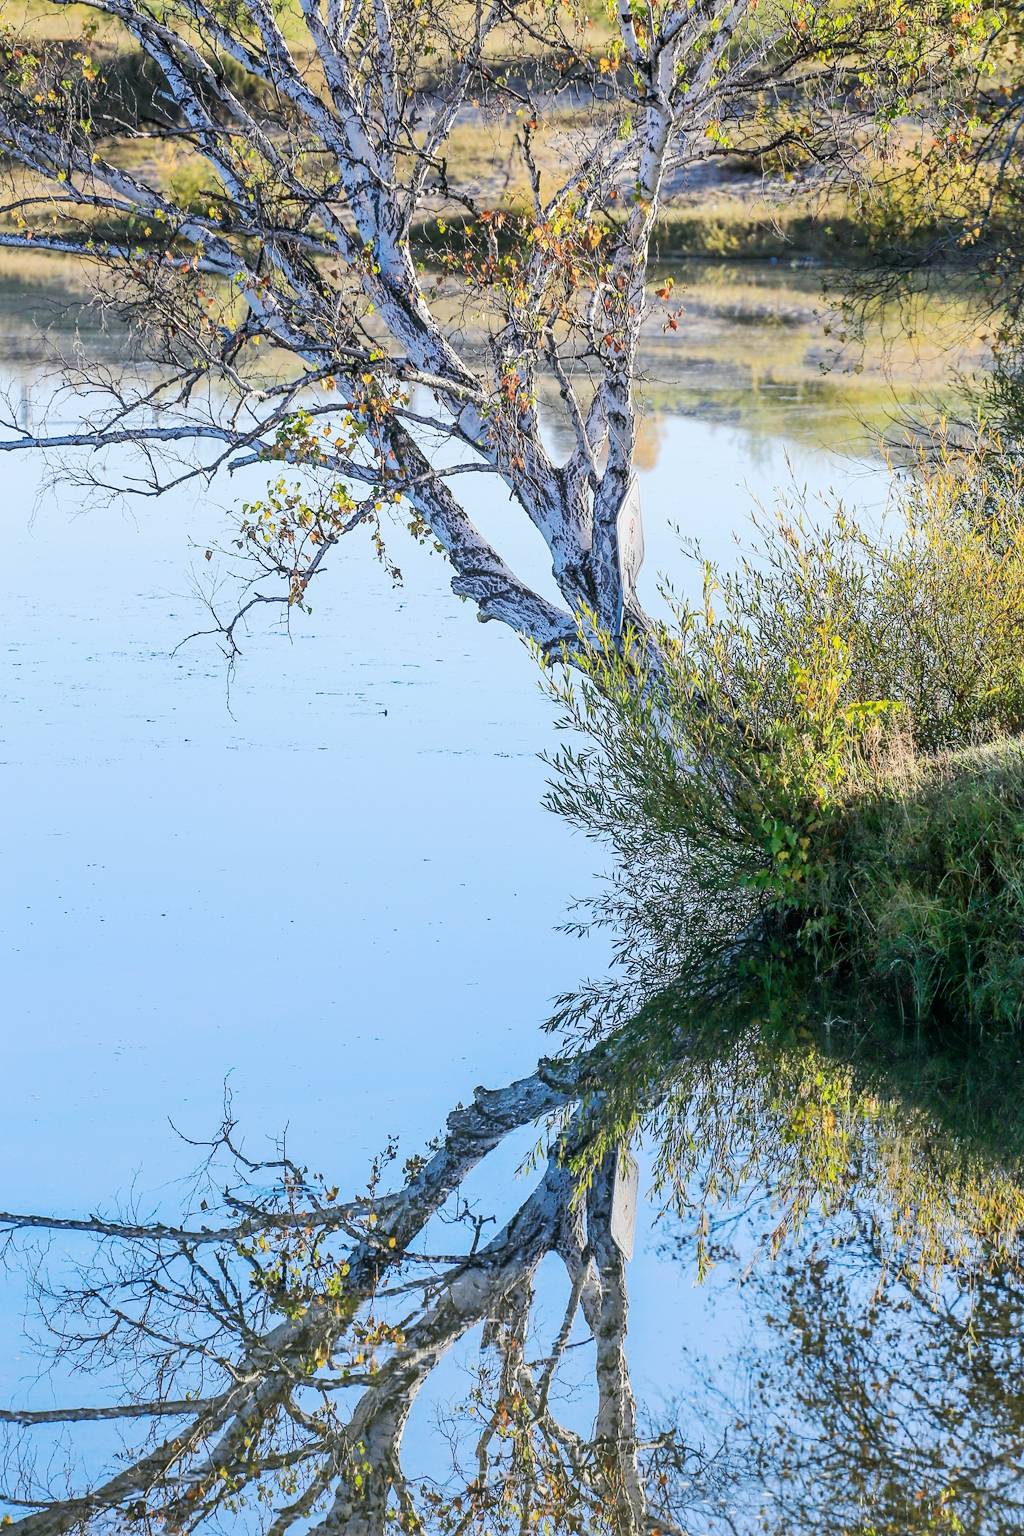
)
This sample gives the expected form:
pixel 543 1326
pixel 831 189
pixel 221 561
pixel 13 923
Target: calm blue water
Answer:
pixel 335 891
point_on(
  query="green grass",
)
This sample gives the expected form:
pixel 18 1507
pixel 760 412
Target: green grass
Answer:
pixel 923 894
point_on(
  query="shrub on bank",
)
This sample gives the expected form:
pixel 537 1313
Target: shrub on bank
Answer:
pixel 815 804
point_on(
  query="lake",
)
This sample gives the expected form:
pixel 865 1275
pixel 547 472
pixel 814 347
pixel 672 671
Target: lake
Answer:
pixel 325 884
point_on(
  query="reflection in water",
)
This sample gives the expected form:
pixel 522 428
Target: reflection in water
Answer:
pixel 256 1359
pixel 268 1347
pixel 757 346
pixel 260 1353
pixel 865 1410
pixel 648 443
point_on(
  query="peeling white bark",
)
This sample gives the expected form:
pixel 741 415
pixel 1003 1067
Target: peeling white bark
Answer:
pixel 364 148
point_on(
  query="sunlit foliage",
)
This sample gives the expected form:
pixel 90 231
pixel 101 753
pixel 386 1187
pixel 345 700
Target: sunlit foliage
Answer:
pixel 815 819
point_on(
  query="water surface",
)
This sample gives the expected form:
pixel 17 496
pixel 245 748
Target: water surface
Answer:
pixel 331 888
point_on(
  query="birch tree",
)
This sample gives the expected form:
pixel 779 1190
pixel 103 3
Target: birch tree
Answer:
pixel 320 145
pixel 283 311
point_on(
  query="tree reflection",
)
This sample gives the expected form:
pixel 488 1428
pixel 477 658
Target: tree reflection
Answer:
pixel 285 1335
pixel 869 1408
pixel 260 1355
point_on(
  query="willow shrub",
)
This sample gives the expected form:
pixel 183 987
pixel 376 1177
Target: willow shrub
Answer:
pixel 815 806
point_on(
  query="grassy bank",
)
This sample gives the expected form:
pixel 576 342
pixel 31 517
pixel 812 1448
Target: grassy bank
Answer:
pixel 746 218
pixel 925 891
